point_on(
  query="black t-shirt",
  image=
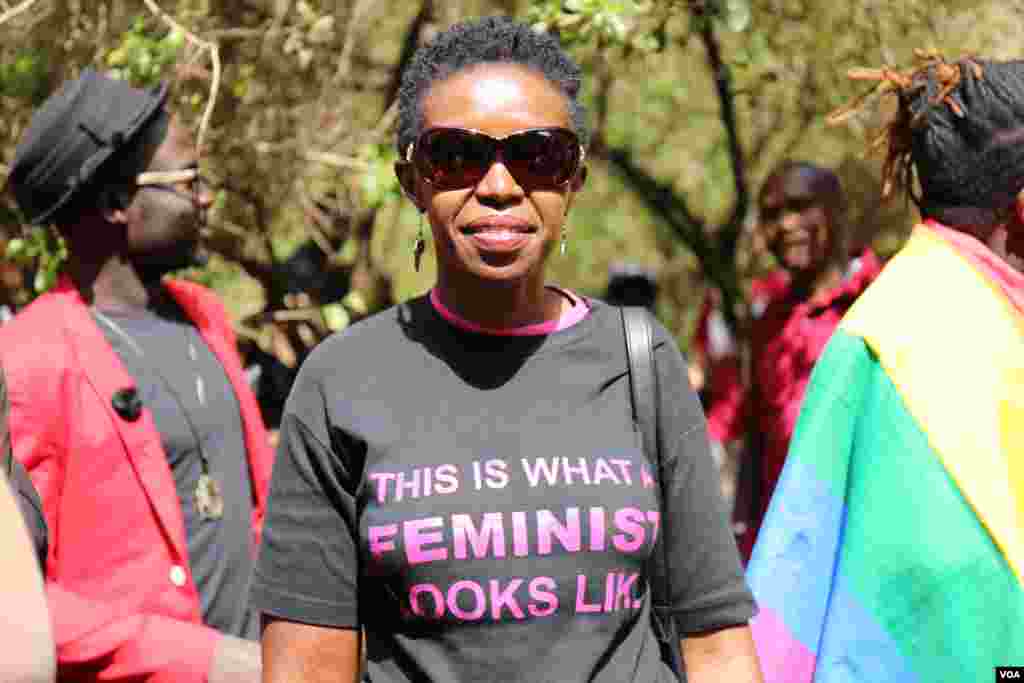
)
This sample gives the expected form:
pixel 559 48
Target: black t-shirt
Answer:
pixel 482 506
pixel 177 372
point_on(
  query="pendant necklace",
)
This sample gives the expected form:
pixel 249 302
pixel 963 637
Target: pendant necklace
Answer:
pixel 207 497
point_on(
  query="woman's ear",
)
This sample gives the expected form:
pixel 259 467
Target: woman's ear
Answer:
pixel 406 174
pixel 575 185
pixel 1018 208
pixel 112 206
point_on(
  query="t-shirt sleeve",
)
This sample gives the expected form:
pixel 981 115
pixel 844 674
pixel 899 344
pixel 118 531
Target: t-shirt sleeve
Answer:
pixel 706 586
pixel 308 564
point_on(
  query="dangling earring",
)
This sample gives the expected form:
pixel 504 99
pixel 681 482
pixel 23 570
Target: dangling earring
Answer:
pixel 562 246
pixel 419 247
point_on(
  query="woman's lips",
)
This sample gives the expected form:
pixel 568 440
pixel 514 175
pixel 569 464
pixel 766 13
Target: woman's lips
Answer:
pixel 499 240
pixel 499 233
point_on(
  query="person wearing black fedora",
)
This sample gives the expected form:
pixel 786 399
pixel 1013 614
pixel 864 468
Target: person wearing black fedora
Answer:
pixel 128 403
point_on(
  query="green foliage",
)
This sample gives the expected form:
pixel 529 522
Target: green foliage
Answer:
pixel 144 54
pixel 633 24
pixel 586 21
pixel 43 249
pixel 379 184
pixel 336 316
pixel 305 82
pixel 26 76
pixel 751 52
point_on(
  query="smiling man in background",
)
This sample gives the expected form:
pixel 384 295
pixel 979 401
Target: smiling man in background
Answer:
pixel 796 309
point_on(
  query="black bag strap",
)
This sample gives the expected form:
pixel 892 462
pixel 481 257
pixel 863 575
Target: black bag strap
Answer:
pixel 643 389
pixel 642 380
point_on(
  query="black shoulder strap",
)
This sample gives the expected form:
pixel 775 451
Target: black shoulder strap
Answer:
pixel 644 393
pixel 642 379
pixel 643 389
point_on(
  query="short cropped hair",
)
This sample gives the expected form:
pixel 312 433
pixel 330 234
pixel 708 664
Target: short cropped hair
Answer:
pixel 485 41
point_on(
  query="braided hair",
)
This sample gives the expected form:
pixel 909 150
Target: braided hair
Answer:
pixel 957 130
pixel 485 41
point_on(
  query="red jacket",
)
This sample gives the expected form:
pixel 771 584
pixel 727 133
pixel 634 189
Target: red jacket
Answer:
pixel 787 338
pixel 120 590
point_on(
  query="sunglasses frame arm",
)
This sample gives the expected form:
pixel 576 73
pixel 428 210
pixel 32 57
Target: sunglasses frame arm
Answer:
pixel 166 177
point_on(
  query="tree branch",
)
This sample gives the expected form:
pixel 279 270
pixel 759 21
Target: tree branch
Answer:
pixel 728 234
pixel 361 8
pixel 663 200
pixel 410 41
pixel 16 10
pixel 204 45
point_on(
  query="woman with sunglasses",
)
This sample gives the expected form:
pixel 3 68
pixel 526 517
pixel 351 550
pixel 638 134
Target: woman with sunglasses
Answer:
pixel 459 477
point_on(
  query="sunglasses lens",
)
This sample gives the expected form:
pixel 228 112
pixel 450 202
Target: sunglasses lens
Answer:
pixel 454 158
pixel 451 158
pixel 542 157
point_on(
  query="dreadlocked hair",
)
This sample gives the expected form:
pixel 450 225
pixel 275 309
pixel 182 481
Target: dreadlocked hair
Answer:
pixel 485 41
pixel 956 130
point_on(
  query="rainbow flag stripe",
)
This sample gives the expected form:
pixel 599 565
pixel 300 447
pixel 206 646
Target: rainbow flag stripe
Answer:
pixel 893 549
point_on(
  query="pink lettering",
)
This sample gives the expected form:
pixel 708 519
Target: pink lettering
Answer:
pixel 505 598
pixel 580 469
pixel 413 486
pixel 582 606
pixel 541 466
pixel 496 472
pixel 597 529
pixel 478 596
pixel 568 534
pixel 381 479
pixel 624 470
pixel 520 543
pixel 645 477
pixel 654 517
pixel 602 471
pixel 380 538
pixel 609 591
pixel 630 522
pixel 541 590
pixel 445 479
pixel 491 533
pixel 416 537
pixel 624 591
pixel 430 590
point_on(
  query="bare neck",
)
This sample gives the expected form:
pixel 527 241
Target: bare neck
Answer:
pixel 500 305
pixel 107 279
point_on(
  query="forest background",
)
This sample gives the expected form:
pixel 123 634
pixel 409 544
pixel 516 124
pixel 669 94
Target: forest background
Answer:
pixel 692 102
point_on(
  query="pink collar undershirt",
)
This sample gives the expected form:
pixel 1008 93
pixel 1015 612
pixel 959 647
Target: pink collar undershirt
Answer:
pixel 578 312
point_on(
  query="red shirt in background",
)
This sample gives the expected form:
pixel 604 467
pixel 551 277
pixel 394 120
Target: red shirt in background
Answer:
pixel 787 341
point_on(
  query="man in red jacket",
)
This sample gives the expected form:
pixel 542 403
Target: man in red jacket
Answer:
pixel 795 310
pixel 128 403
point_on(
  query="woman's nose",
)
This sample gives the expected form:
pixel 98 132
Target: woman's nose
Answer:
pixel 499 185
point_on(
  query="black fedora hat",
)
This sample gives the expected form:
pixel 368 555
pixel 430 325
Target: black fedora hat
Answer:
pixel 71 136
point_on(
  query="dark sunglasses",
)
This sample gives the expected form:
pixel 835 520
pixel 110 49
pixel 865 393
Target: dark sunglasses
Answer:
pixel 450 158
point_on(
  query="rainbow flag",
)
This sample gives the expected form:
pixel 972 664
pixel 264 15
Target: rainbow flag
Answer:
pixel 893 549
